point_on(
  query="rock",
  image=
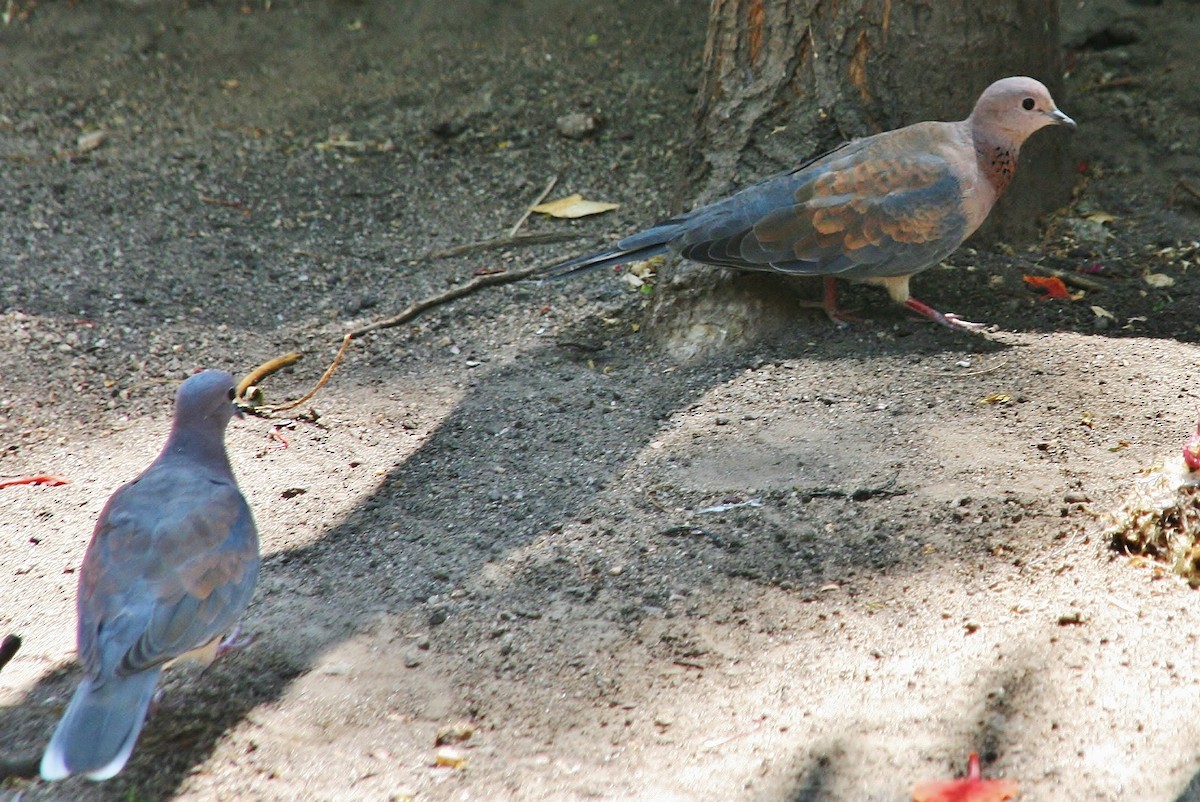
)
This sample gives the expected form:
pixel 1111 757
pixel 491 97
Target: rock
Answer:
pixel 577 125
pixel 1090 232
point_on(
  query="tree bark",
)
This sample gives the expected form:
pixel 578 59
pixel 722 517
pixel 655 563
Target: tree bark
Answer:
pixel 783 79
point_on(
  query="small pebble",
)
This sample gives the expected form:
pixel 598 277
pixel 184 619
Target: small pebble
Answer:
pixel 577 125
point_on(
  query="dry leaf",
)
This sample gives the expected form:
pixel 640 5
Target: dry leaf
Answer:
pixel 645 268
pixel 995 398
pixel 454 733
pixel 573 206
pixel 1158 280
pixel 1100 311
pixel 450 757
pixel 90 140
pixel 1099 217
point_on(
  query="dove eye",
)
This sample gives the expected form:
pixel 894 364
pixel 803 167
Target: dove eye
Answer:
pixel 231 394
pixel 1027 104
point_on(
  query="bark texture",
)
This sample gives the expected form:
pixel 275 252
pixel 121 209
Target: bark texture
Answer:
pixel 785 79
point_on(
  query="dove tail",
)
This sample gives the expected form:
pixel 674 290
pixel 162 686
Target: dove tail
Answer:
pixel 650 242
pixel 100 727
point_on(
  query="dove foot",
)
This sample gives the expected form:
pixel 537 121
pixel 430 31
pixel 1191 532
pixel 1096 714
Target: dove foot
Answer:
pixel 234 641
pixel 949 319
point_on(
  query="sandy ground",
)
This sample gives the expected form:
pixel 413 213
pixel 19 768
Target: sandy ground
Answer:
pixel 823 569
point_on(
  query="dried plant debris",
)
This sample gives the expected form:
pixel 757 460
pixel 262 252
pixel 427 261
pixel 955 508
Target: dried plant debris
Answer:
pixel 1159 522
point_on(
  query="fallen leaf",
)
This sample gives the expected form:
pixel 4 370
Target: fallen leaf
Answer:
pixel 995 398
pixel 90 140
pixel 1120 445
pixel 1158 280
pixel 39 479
pixel 972 788
pixel 343 142
pixel 1086 419
pixel 645 268
pixel 1100 311
pixel 454 733
pixel 573 206
pixel 1191 450
pixel 450 757
pixel 1051 285
pixel 1099 217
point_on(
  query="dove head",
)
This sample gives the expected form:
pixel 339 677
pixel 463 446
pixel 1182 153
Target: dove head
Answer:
pixel 1011 109
pixel 204 402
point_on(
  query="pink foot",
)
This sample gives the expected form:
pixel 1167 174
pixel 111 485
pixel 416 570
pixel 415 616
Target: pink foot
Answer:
pixel 949 320
pixel 233 642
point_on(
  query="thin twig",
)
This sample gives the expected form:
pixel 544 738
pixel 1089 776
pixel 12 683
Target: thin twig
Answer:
pixel 452 294
pixel 1110 83
pixel 333 366
pixel 409 313
pixel 979 372
pixel 689 664
pixel 1187 188
pixel 512 232
pixel 495 243
pixel 266 369
pixel 242 207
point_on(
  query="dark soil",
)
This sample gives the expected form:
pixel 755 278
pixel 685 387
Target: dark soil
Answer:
pixel 822 569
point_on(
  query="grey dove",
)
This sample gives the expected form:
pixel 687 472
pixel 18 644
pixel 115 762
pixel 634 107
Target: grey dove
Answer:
pixel 170 568
pixel 875 210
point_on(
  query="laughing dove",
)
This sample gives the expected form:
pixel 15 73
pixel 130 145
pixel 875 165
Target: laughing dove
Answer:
pixel 170 568
pixel 875 210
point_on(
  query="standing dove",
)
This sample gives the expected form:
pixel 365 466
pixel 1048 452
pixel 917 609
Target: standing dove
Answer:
pixel 170 568
pixel 876 210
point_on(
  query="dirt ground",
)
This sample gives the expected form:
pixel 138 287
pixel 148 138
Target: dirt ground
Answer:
pixel 823 569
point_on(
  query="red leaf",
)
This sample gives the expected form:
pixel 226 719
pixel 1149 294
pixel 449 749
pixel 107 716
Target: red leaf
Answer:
pixel 40 479
pixel 1053 287
pixel 1191 450
pixel 971 789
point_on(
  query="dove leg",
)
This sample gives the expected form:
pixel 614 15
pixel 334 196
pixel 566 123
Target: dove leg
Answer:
pixel 828 304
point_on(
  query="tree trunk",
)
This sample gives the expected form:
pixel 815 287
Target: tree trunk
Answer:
pixel 784 79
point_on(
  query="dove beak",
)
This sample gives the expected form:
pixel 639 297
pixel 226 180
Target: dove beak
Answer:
pixel 1058 118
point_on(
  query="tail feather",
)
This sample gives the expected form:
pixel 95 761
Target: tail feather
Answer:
pixel 636 247
pixel 100 727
